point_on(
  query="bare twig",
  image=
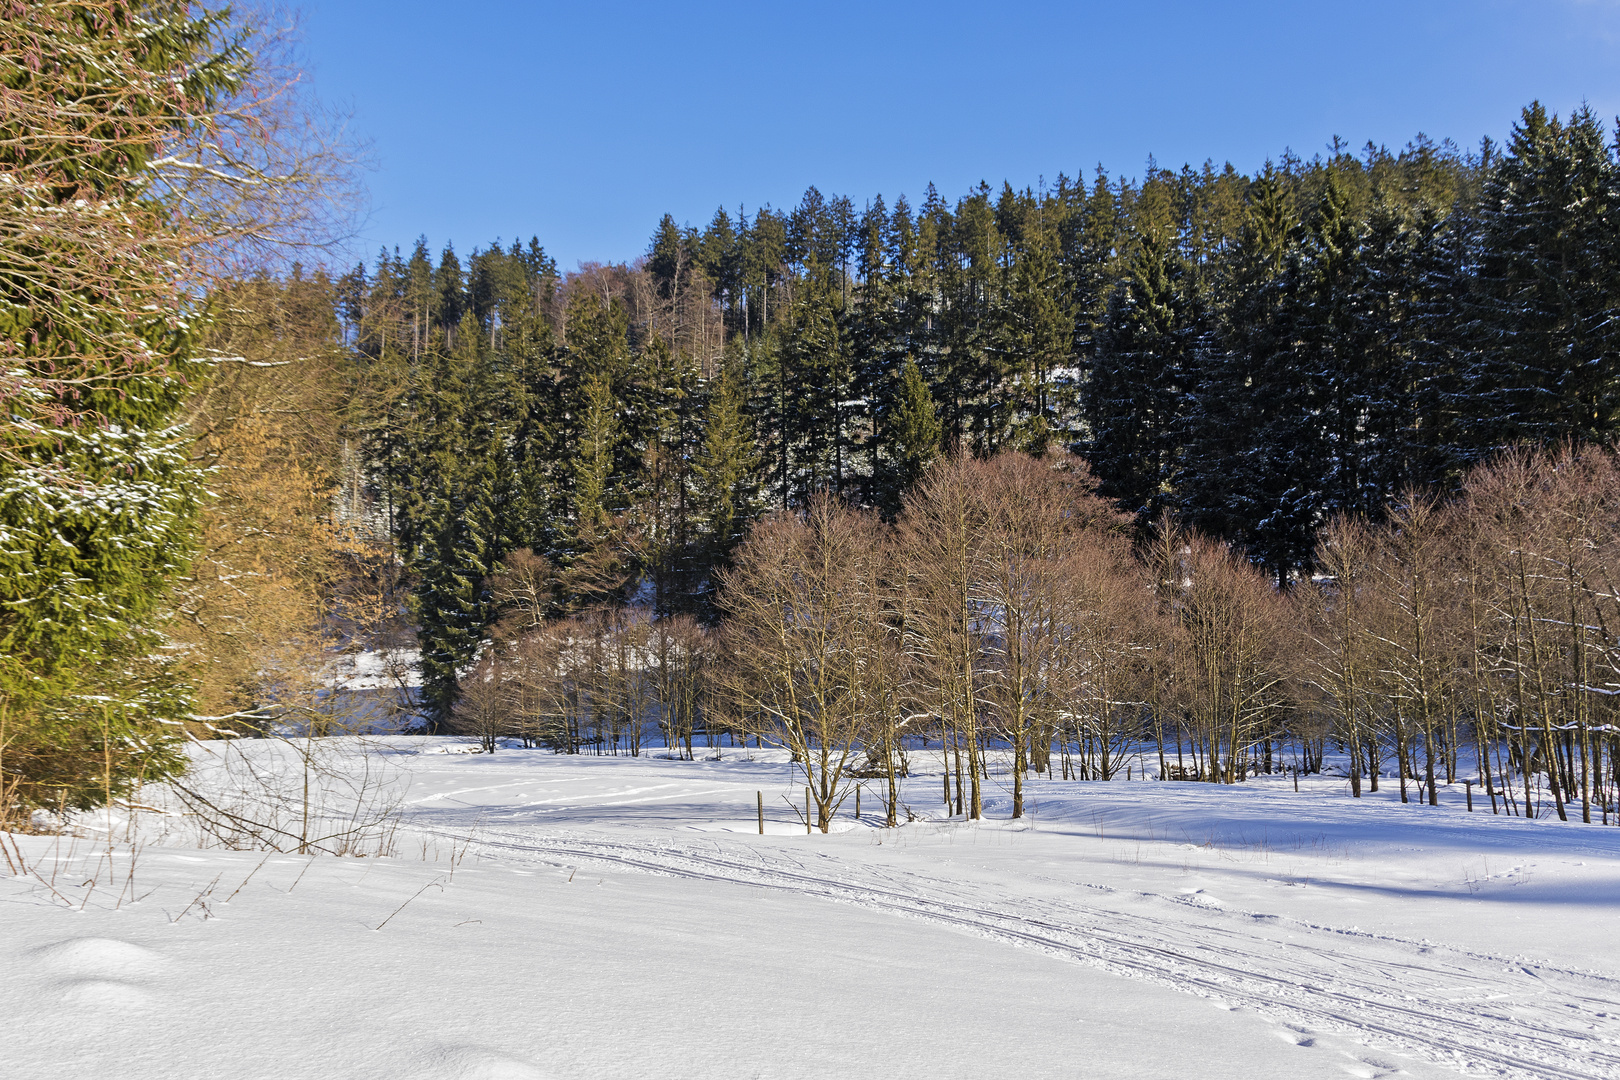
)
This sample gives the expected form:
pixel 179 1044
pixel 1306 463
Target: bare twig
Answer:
pixel 413 896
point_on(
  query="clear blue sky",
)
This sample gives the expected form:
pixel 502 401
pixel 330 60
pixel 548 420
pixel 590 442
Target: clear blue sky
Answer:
pixel 582 123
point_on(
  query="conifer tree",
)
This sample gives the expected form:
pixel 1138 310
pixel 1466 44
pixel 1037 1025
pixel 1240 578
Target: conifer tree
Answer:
pixel 104 244
pixel 597 560
pixel 972 368
pixel 913 436
pixel 670 259
pixel 874 337
pixel 467 514
pixel 1036 334
pixel 539 456
pixel 665 482
pixel 1546 345
pixel 1302 377
pixel 1144 350
pixel 726 475
pixel 1403 428
pixel 1212 474
pixel 719 257
pixel 449 296
pixel 815 373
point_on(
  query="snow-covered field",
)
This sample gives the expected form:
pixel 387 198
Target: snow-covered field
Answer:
pixel 621 917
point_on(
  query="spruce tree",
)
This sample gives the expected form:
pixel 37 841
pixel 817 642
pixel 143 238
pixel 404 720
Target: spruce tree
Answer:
pixel 913 437
pixel 663 488
pixel 726 479
pixel 971 368
pixel 466 515
pixel 1036 334
pixel 1144 350
pixel 99 317
pixel 597 560
pixel 1545 346
pixel 815 376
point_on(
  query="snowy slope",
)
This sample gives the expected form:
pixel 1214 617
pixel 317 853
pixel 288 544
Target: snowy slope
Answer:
pixel 585 917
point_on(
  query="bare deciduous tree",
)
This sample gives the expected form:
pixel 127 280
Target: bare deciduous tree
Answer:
pixel 798 639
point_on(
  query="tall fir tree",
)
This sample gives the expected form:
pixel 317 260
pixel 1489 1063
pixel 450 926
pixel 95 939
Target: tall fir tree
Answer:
pixel 726 479
pixel 912 439
pixel 1144 349
pixel 1213 468
pixel 466 515
pixel 815 377
pixel 1545 343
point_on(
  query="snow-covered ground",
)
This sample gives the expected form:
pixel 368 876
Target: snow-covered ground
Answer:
pixel 621 917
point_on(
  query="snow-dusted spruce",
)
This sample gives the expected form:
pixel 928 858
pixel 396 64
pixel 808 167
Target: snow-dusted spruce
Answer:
pixel 139 153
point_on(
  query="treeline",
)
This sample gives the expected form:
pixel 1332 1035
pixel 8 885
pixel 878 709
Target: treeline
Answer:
pixel 1251 355
pixel 811 472
pixel 1008 614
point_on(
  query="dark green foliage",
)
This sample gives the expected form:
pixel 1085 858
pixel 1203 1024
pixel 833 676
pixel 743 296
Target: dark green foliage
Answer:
pixel 726 480
pixel 98 497
pixel 815 378
pixel 1144 350
pixel 1252 355
pixel 913 434
pixel 467 508
pixel 1542 340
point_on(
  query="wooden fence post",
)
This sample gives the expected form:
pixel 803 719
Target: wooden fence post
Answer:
pixel 761 796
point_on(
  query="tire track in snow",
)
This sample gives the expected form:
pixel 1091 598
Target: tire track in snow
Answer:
pixel 1471 1011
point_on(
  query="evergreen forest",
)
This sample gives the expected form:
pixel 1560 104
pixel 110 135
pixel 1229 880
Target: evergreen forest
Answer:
pixel 1201 461
pixel 1251 356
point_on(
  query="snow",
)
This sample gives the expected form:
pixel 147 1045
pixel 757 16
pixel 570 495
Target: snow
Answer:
pixel 373 669
pixel 556 916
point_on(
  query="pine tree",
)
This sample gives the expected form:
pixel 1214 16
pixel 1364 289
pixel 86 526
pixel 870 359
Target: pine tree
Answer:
pixel 99 319
pixel 815 377
pixel 1036 333
pixel 726 477
pixel 538 454
pixel 593 461
pixel 662 504
pixel 971 368
pixel 669 259
pixel 720 259
pixel 449 291
pixel 1216 462
pixel 1306 407
pixel 912 439
pixel 1144 350
pixel 1402 429
pixel 467 513
pixel 1546 345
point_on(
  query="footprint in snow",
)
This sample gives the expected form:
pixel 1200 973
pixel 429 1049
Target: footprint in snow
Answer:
pixel 477 1063
pixel 1370 1068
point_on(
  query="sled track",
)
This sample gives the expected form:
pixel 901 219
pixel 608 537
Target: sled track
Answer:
pixel 1474 1012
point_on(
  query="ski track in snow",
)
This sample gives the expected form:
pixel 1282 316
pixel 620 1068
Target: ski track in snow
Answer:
pixel 1467 1010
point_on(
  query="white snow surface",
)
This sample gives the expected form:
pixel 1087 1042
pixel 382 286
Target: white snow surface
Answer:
pixel 579 916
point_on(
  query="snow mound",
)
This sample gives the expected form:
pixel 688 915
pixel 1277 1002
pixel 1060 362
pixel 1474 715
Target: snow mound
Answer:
pixel 104 994
pixel 93 957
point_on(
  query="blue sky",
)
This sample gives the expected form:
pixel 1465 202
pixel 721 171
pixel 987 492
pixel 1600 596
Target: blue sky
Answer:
pixel 583 123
